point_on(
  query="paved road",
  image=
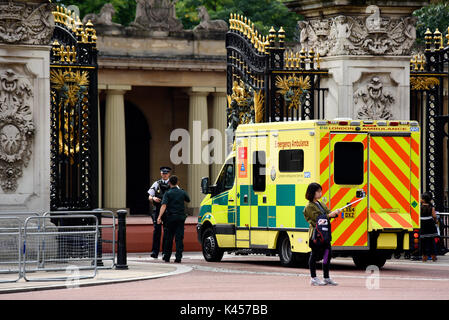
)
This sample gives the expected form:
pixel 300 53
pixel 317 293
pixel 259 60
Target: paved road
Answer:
pixel 257 277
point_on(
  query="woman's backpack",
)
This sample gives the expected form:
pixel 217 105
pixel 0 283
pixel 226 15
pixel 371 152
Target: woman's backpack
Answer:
pixel 322 233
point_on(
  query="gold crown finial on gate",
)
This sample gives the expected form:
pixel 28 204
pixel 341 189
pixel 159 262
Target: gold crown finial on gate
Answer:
pixel 438 38
pixel 428 37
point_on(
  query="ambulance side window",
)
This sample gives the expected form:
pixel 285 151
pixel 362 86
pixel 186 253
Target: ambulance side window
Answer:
pixel 229 176
pixel 259 165
pixel 348 163
pixel 291 160
pixel 225 180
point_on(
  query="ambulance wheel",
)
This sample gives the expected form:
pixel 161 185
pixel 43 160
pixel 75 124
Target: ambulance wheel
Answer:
pixel 287 257
pixel 211 251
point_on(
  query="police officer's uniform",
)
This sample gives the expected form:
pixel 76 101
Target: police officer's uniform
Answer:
pixel 175 218
pixel 158 189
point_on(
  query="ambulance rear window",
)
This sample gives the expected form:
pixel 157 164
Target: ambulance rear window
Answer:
pixel 291 160
pixel 348 163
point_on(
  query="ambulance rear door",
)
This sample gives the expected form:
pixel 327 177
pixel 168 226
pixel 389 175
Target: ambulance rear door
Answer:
pixel 393 181
pixel 348 164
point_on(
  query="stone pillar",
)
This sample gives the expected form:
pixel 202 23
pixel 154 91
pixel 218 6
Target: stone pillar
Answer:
pixel 366 49
pixel 219 122
pixel 25 108
pixel 198 123
pixel 115 148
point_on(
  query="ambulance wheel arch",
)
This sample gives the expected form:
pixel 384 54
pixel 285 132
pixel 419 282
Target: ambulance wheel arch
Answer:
pixel 287 257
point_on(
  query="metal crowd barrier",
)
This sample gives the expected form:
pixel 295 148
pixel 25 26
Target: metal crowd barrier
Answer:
pixel 106 247
pixel 443 225
pixel 11 239
pixel 10 246
pixel 63 242
pixel 64 249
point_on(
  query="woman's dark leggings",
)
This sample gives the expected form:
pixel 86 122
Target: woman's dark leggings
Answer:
pixel 428 246
pixel 315 256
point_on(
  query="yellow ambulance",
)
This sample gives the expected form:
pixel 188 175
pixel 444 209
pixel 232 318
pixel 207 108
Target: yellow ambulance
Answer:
pixel 256 203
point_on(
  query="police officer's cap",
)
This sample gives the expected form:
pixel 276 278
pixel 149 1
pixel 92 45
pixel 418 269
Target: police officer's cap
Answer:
pixel 165 169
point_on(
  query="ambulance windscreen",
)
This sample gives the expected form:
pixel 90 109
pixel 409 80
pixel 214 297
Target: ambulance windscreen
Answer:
pixel 348 163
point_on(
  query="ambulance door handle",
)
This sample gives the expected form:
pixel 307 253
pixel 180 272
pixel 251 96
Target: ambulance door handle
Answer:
pixel 245 198
pixel 264 199
pixel 231 200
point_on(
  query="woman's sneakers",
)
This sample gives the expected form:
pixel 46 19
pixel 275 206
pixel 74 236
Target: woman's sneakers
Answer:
pixel 327 281
pixel 316 282
pixel 330 282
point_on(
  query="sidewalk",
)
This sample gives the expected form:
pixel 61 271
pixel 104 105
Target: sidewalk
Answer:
pixel 138 269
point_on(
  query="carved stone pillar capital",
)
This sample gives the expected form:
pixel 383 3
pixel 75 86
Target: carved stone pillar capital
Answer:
pixel 26 22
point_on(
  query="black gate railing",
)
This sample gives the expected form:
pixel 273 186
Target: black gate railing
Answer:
pixel 428 80
pixel 74 114
pixel 268 83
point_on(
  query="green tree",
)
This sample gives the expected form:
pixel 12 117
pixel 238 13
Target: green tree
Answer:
pixel 433 16
pixel 125 10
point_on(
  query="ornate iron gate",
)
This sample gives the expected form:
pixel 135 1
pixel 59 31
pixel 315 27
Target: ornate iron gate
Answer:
pixel 74 114
pixel 428 82
pixel 266 82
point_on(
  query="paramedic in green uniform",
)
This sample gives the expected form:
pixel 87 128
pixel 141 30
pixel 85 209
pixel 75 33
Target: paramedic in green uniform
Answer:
pixel 174 209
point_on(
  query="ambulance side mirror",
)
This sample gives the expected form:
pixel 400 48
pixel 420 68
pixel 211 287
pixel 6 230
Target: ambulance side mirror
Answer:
pixel 205 185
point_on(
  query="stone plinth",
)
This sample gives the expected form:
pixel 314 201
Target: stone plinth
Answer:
pixel 367 87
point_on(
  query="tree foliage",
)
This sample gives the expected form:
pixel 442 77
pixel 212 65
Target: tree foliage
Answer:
pixel 433 16
pixel 264 13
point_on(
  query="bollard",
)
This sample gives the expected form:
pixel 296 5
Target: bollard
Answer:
pixel 121 241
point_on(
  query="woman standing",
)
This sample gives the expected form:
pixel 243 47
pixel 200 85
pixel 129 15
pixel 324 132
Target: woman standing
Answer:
pixel 428 228
pixel 311 212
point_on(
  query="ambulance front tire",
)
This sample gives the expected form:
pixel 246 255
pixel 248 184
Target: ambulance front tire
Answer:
pixel 211 250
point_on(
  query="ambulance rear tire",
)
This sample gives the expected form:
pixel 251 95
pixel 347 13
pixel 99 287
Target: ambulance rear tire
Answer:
pixel 363 261
pixel 287 257
pixel 211 250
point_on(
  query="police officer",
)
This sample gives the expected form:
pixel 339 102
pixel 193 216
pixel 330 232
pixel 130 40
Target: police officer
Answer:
pixel 174 209
pixel 156 193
